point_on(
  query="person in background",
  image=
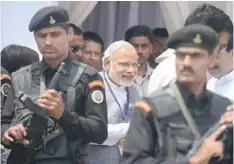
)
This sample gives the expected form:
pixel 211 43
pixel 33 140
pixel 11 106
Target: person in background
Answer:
pixel 94 47
pixel 160 131
pixel 222 81
pixel 13 57
pixel 205 14
pixel 159 45
pixel 120 67
pixel 77 43
pixel 141 37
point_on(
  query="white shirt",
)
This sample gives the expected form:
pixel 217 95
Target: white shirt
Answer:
pixel 143 81
pixel 164 73
pixel 116 129
pixel 223 86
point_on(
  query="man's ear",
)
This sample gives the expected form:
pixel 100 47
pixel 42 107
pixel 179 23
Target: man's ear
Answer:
pixel 107 63
pixel 70 33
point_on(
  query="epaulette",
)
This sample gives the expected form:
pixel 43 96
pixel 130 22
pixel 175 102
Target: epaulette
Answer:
pixel 143 105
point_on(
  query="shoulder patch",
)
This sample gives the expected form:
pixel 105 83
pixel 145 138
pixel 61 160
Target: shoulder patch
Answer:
pixel 97 96
pixel 5 76
pixel 96 83
pixel 142 104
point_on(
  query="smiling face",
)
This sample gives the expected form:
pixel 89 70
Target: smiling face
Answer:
pixel 122 66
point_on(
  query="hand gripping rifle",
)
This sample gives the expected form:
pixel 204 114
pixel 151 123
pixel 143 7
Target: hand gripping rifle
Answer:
pixel 226 138
pixel 38 122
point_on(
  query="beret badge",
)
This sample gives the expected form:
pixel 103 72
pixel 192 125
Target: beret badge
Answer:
pixel 52 20
pixel 197 39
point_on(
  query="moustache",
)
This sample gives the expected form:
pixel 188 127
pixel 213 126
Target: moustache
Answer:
pixel 49 48
pixel 215 67
pixel 187 69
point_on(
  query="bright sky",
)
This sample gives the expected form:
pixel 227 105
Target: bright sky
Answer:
pixel 15 17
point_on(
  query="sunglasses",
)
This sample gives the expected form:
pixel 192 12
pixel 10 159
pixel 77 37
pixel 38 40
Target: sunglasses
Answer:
pixel 76 48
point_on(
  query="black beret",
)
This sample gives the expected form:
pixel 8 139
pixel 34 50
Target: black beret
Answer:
pixel 48 17
pixel 195 35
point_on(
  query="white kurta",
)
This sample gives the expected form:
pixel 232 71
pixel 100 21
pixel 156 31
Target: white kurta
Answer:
pixel 108 152
pixel 223 86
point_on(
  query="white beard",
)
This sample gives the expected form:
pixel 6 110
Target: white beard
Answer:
pixel 117 80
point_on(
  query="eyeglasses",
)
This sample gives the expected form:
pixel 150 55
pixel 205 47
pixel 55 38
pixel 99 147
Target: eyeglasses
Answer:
pixel 127 64
pixel 76 48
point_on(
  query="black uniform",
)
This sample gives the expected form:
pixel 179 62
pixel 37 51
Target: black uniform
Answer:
pixel 141 144
pixel 83 122
pixel 84 118
pixel 7 100
pixel 159 132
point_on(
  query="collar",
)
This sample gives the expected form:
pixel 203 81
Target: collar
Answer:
pixel 44 66
pixel 226 78
pixel 185 93
pixel 149 71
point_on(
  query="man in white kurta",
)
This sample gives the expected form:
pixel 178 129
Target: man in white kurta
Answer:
pixel 120 68
pixel 222 81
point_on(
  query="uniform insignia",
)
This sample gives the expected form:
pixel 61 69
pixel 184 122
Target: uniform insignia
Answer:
pixel 143 105
pixel 4 88
pixel 97 96
pixel 52 20
pixel 96 83
pixel 197 39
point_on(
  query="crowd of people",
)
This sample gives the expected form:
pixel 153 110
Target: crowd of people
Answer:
pixel 146 99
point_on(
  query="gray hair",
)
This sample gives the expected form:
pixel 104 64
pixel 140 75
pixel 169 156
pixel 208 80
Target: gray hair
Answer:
pixel 113 48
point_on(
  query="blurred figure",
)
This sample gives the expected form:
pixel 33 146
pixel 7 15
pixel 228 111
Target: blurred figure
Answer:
pixel 13 57
pixel 205 14
pixel 94 47
pixel 120 68
pixel 159 45
pixel 222 81
pixel 160 132
pixel 141 37
pixel 77 43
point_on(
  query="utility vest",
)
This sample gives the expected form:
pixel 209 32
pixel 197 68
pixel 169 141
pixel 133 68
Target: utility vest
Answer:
pixel 173 136
pixel 57 145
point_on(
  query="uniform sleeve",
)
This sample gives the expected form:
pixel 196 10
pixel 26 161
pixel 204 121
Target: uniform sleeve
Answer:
pixel 7 111
pixel 139 146
pixel 92 126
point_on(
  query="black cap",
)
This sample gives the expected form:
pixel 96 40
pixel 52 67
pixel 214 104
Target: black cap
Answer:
pixel 196 35
pixel 48 17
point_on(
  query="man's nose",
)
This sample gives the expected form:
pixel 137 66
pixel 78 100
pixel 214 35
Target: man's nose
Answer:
pixel 139 50
pixel 48 40
pixel 187 60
